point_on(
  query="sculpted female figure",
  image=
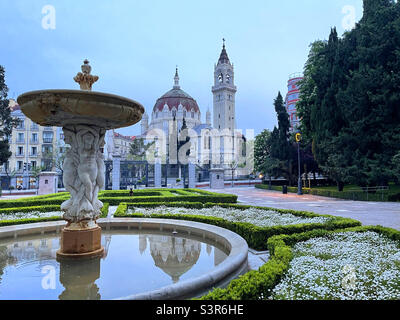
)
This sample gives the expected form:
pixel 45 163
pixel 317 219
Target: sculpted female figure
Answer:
pixel 70 176
pixel 100 179
pixel 88 145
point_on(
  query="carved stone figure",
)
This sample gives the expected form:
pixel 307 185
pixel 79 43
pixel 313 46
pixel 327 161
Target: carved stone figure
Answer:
pixel 84 117
pixel 83 172
pixel 84 78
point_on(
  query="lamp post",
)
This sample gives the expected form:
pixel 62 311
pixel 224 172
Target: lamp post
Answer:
pixel 299 184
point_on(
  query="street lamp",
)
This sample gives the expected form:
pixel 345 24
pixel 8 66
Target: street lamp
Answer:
pixel 299 184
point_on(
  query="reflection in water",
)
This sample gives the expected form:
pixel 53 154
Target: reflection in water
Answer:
pixel 175 256
pixel 113 275
pixel 79 282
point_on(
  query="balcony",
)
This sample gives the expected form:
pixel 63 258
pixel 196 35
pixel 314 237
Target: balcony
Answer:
pixel 31 141
pixel 47 140
pixel 48 129
pixel 34 127
pixel 33 155
pixel 20 141
pixel 19 155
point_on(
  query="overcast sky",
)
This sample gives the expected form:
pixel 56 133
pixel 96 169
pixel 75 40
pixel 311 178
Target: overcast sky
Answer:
pixel 134 47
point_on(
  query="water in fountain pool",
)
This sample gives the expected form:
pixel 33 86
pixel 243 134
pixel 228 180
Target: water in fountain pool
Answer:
pixel 133 262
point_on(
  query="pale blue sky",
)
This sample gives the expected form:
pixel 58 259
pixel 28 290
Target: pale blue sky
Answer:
pixel 134 47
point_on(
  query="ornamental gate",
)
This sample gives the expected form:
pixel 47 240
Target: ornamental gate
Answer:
pixel 132 174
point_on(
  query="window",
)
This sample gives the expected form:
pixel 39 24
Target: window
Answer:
pixel 47 137
pixel 221 78
pixel 228 78
pixel 207 142
pixel 20 151
pixel 47 149
pixel 33 151
pixel 20 165
pixel 20 138
pixel 33 164
pixel 192 114
pixel 21 124
pixel 47 164
pixel 34 137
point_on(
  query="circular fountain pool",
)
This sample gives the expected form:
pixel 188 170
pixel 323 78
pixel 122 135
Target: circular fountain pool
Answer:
pixel 143 259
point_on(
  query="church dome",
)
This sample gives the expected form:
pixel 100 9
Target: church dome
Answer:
pixel 175 97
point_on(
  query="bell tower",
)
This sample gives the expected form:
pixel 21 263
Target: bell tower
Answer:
pixel 224 91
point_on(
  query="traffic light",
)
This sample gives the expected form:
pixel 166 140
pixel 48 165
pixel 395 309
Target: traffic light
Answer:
pixel 25 166
pixel 298 137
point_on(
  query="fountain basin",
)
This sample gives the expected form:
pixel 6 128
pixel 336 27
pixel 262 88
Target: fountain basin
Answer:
pixel 74 107
pixel 232 246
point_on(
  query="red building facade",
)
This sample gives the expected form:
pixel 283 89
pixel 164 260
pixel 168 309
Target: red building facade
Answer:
pixel 292 97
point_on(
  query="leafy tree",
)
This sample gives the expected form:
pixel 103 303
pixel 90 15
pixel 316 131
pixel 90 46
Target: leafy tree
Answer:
pixel 6 121
pixel 35 173
pixel 282 152
pixel 350 98
pixel 138 149
pixel 396 166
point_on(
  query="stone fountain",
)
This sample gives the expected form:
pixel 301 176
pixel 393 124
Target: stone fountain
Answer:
pixel 84 116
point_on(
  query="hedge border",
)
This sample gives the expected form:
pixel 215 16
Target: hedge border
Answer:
pixel 257 284
pixel 166 195
pixel 255 236
pixel 336 194
pixel 104 214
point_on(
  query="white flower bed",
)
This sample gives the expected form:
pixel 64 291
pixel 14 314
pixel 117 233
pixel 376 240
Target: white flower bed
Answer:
pixel 259 217
pixel 344 266
pixel 28 215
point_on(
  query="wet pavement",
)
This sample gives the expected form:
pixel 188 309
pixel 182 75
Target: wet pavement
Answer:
pixel 386 214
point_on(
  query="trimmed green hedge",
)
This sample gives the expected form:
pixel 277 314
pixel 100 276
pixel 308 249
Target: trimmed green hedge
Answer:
pixel 256 285
pixel 30 209
pixel 33 201
pixel 116 197
pixel 104 213
pixel 4 223
pixel 255 236
pixel 104 210
pixel 346 195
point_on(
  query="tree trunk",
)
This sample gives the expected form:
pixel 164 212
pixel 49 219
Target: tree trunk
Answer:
pixel 340 186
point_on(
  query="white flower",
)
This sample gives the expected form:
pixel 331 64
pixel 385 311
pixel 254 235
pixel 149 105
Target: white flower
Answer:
pixel 258 217
pixel 343 266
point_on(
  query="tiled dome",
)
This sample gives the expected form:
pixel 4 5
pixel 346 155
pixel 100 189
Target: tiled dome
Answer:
pixel 174 98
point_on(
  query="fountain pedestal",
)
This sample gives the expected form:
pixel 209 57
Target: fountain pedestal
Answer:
pixel 80 243
pixel 84 116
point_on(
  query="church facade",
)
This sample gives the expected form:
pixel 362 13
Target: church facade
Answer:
pixel 213 142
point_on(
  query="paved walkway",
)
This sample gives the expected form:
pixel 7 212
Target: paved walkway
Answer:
pixel 386 214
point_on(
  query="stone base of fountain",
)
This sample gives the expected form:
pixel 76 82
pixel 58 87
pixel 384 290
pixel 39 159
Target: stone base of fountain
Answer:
pixel 79 243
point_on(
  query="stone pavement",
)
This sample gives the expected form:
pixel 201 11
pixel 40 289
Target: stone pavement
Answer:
pixel 386 214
